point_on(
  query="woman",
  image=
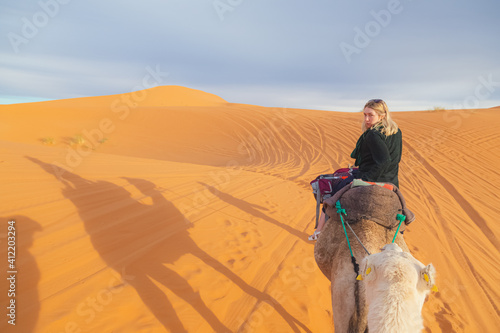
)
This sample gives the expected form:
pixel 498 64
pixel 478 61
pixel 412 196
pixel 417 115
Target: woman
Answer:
pixel 378 150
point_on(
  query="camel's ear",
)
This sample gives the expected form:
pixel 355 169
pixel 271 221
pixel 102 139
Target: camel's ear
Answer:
pixel 428 278
pixel 367 271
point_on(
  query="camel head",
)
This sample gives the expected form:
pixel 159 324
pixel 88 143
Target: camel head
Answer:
pixel 396 286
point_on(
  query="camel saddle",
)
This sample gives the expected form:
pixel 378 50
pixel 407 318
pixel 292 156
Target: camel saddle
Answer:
pixel 377 203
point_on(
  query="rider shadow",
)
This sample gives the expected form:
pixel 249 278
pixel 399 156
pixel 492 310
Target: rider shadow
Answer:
pixel 138 241
pixel 254 210
pixel 27 277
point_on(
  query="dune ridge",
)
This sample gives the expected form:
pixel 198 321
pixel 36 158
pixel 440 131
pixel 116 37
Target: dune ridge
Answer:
pixel 191 213
pixel 157 96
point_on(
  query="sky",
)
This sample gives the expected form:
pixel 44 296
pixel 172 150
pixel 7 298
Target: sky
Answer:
pixel 316 54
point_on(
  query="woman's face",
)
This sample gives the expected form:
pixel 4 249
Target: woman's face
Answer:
pixel 371 117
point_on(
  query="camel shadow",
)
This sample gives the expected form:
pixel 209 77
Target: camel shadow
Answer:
pixel 26 296
pixel 138 240
pixel 254 210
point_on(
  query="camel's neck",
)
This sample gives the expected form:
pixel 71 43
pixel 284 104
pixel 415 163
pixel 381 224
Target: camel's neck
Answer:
pixel 400 314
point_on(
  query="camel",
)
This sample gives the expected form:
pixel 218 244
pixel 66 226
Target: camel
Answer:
pixel 396 286
pixel 371 212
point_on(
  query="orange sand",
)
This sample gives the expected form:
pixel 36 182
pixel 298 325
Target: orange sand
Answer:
pixel 179 211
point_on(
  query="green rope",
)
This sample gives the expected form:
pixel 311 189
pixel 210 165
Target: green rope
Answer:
pixel 341 211
pixel 401 218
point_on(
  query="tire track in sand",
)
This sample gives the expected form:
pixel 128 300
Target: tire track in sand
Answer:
pixel 461 200
pixel 486 288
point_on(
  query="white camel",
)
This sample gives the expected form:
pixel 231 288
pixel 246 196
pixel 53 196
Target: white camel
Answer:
pixel 396 286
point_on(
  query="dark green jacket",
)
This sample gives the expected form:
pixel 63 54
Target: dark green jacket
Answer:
pixel 378 156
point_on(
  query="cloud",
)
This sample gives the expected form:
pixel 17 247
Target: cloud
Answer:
pixel 57 77
pixel 261 52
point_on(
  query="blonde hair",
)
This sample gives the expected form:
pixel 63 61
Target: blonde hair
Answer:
pixel 386 125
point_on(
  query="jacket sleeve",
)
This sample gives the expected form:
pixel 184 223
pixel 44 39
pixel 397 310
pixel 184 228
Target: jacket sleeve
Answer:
pixel 380 155
pixel 356 153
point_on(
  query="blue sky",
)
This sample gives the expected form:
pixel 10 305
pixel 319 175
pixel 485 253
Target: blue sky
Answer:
pixel 320 54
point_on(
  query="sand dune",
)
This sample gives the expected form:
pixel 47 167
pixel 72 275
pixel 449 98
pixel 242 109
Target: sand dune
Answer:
pixel 172 210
